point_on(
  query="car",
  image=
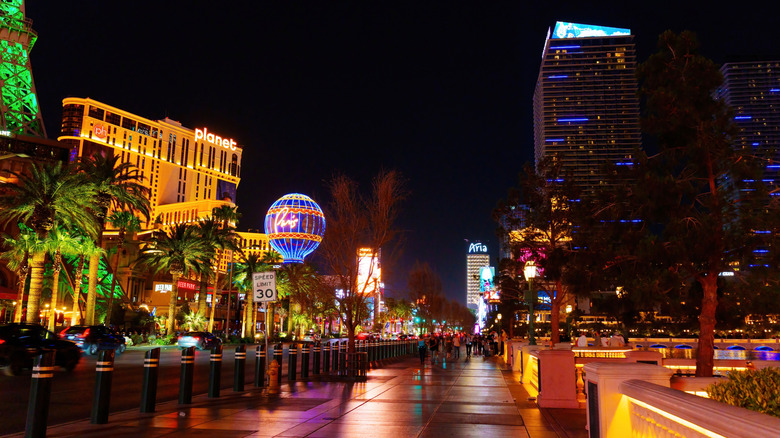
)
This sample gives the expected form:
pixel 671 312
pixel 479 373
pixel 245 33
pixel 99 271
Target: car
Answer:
pixel 199 340
pixel 20 343
pixel 363 336
pixel 311 337
pixel 93 338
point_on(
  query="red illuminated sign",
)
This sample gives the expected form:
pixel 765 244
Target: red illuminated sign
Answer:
pixel 100 131
pixel 184 284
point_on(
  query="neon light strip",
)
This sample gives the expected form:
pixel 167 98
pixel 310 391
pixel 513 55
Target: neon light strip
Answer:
pixel 565 47
pixel 550 140
pixel 624 164
pixel 775 90
pixel 577 119
pixel 743 117
pixel 676 419
pixel 558 77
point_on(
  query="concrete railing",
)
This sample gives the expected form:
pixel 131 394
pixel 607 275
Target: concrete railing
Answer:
pixel 636 400
pixel 664 412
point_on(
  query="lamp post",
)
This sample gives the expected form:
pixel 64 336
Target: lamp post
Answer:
pixel 530 273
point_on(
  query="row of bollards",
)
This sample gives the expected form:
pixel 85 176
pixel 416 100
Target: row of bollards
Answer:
pixel 317 355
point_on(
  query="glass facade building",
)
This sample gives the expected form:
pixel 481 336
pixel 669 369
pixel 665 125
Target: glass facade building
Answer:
pixel 586 109
pixel 752 90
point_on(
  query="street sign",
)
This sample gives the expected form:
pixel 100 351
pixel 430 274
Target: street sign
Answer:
pixel 264 285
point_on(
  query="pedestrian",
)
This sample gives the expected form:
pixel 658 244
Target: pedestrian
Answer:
pixel 468 340
pixel 596 338
pixel 422 349
pixel 448 347
pixel 582 341
pixel 456 345
pixel 433 345
pixel 605 340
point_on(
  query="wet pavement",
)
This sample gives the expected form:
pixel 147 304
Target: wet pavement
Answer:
pixel 471 398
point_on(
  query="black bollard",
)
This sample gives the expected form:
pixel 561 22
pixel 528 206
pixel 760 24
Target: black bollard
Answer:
pixel 326 358
pixel 238 374
pixel 215 371
pixel 315 367
pixel 260 367
pixel 187 370
pixel 343 358
pixel 151 371
pixel 105 371
pixel 292 362
pixel 335 349
pixel 371 353
pixel 305 361
pixel 40 393
pixel 278 351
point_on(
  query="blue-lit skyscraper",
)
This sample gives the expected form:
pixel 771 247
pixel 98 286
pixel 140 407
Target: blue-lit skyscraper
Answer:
pixel 752 90
pixel 586 109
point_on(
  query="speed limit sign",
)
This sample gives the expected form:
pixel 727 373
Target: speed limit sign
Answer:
pixel 264 284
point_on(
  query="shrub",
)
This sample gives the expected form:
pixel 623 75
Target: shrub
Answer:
pixel 136 339
pixel 752 389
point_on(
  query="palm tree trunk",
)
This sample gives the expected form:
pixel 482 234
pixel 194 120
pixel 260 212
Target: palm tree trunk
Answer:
pixel 269 320
pixel 254 319
pixel 202 293
pixel 113 283
pixel 55 298
pixel 77 318
pixel 213 302
pixel 171 323
pixel 36 284
pixel 20 296
pixel 94 264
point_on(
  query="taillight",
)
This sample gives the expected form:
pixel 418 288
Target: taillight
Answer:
pixel 62 333
pixel 2 341
pixel 85 334
pixel 197 339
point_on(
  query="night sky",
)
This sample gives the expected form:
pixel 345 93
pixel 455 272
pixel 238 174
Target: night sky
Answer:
pixel 441 91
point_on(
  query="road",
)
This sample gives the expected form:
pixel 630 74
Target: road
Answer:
pixel 72 393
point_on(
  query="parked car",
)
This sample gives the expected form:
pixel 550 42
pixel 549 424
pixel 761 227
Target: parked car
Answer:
pixel 311 337
pixel 199 340
pixel 20 343
pixel 93 338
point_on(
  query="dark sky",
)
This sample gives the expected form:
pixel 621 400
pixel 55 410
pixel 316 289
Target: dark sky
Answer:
pixel 441 91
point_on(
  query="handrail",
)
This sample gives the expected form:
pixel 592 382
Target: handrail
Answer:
pixel 704 413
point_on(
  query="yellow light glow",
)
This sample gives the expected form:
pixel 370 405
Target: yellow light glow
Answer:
pixel 676 419
pixel 369 272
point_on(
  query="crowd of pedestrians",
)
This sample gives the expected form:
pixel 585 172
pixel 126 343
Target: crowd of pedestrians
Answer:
pixel 441 348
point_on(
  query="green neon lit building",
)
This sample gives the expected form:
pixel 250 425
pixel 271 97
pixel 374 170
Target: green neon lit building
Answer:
pixel 19 111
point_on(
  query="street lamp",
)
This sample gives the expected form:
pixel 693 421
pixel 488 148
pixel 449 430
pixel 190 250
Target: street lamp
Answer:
pixel 530 273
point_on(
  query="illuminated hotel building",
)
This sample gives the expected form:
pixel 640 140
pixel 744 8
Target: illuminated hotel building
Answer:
pixel 586 109
pixel 476 258
pixel 188 171
pixel 752 90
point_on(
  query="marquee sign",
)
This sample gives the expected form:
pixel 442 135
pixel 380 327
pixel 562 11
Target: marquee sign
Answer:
pixel 477 248
pixel 204 134
pixel 100 131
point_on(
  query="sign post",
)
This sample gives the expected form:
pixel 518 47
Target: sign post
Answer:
pixel 264 289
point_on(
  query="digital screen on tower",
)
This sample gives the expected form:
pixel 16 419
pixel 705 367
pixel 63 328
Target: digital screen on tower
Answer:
pixel 575 30
pixel 486 284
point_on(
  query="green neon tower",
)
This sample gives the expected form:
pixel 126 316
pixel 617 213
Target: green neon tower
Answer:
pixel 19 110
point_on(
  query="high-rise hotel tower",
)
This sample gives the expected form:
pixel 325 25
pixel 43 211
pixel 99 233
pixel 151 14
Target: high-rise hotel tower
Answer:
pixel 586 109
pixel 188 171
pixel 477 257
pixel 752 90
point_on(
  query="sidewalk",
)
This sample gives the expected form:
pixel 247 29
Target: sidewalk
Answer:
pixel 456 399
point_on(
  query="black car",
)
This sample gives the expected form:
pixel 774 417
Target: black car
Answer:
pixel 92 338
pixel 20 343
pixel 199 340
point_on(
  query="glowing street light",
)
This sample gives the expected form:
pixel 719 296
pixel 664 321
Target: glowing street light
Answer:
pixel 530 273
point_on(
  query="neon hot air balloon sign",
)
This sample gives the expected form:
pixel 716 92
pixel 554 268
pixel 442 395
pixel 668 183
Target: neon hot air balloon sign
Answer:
pixel 294 225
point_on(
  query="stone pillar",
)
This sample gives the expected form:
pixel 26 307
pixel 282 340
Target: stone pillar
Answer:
pixel 557 380
pixel 607 408
pixel 526 366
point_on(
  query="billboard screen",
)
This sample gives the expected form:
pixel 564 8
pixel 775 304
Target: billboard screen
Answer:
pixel 575 30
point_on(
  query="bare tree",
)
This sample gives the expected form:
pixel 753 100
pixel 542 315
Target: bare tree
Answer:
pixel 356 221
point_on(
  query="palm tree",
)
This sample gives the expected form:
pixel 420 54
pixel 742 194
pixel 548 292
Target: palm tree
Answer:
pixel 17 253
pixel 228 217
pixel 220 239
pixel 50 194
pixel 126 222
pixel 178 252
pixel 60 243
pixel 83 250
pixel 117 186
pixel 243 278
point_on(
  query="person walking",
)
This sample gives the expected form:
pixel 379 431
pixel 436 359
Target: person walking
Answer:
pixel 468 340
pixel 456 346
pixel 433 345
pixel 422 349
